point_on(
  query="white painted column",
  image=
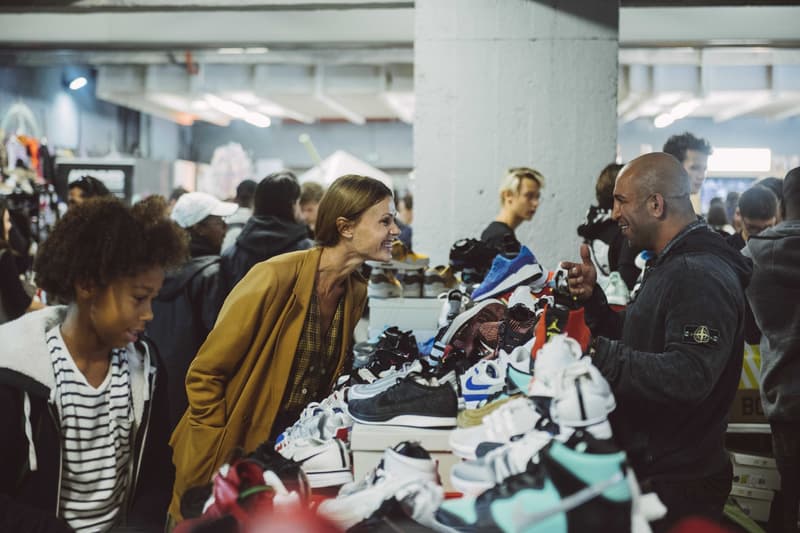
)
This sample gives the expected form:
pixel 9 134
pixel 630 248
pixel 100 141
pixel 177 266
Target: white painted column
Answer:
pixel 503 83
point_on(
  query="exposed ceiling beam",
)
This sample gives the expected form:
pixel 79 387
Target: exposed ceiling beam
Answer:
pixel 338 107
pixel 209 24
pixel 752 104
pixel 787 113
pixel 84 6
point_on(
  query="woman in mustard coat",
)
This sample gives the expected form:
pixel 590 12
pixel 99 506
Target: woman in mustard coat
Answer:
pixel 283 334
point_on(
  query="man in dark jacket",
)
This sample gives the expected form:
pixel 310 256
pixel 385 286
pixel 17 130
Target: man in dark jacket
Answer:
pixel 773 295
pixel 674 356
pixel 190 299
pixel 275 227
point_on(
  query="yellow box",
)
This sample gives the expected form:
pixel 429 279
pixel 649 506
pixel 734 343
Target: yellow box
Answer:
pixel 751 367
pixel 754 502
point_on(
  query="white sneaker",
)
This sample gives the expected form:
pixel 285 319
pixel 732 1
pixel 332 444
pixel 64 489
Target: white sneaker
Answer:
pixel 321 421
pixel 483 379
pixel 616 290
pixel 582 398
pixel 387 379
pixel 476 476
pixel 559 352
pixel 326 463
pixel 400 466
pixel 511 420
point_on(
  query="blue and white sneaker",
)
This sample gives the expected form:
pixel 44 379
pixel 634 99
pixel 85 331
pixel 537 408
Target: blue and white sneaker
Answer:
pixel 484 379
pixel 506 274
pixel 578 486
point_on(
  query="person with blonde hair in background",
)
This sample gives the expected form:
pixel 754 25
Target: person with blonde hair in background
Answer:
pixel 519 199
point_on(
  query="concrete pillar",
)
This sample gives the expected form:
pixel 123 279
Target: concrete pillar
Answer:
pixel 503 83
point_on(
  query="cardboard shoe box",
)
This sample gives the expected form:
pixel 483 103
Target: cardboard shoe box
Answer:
pixel 755 471
pixel 754 502
pixel 367 442
pixel 418 314
pixel 746 408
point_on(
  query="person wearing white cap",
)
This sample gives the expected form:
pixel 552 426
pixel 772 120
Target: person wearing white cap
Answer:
pixel 202 216
pixel 187 305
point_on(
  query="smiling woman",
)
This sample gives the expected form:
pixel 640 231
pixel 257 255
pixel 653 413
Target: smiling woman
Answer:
pixel 282 336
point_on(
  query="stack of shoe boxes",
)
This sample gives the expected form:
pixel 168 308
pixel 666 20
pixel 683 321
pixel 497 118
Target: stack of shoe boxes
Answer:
pixel 368 442
pixel 755 480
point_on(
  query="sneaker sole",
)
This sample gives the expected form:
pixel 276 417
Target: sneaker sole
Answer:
pixel 408 420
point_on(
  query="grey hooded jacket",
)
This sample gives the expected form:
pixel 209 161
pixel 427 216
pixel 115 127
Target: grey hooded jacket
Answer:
pixel 774 295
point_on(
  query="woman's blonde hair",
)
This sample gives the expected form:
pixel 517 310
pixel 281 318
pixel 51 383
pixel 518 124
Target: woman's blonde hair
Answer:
pixel 349 196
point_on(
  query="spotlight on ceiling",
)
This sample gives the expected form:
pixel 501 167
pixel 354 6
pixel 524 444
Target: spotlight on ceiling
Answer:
pixel 78 83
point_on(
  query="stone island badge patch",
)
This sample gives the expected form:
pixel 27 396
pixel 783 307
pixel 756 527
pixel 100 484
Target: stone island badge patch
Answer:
pixel 700 335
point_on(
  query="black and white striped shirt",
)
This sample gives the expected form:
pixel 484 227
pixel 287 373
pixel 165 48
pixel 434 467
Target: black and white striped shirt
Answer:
pixel 96 427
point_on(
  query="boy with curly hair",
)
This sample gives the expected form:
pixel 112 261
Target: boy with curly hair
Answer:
pixel 84 412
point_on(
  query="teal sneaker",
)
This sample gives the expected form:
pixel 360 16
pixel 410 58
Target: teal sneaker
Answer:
pixel 577 486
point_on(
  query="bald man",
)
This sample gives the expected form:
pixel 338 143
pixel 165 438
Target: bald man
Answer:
pixel 674 356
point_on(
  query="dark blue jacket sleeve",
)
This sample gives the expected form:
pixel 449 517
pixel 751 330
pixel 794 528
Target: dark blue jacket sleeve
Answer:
pixel 688 368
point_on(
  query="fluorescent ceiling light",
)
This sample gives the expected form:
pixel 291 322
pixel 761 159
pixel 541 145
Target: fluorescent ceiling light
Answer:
pixel 78 83
pixel 257 119
pixel 684 109
pixel 740 160
pixel 256 50
pixel 226 106
pixel 230 51
pixel 245 98
pixel 663 120
pixel 402 104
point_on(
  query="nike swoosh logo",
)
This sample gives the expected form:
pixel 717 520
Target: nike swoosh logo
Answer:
pixel 311 456
pixel 471 385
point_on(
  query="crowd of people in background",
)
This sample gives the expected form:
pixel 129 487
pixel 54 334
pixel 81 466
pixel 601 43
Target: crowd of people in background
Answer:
pixel 195 264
